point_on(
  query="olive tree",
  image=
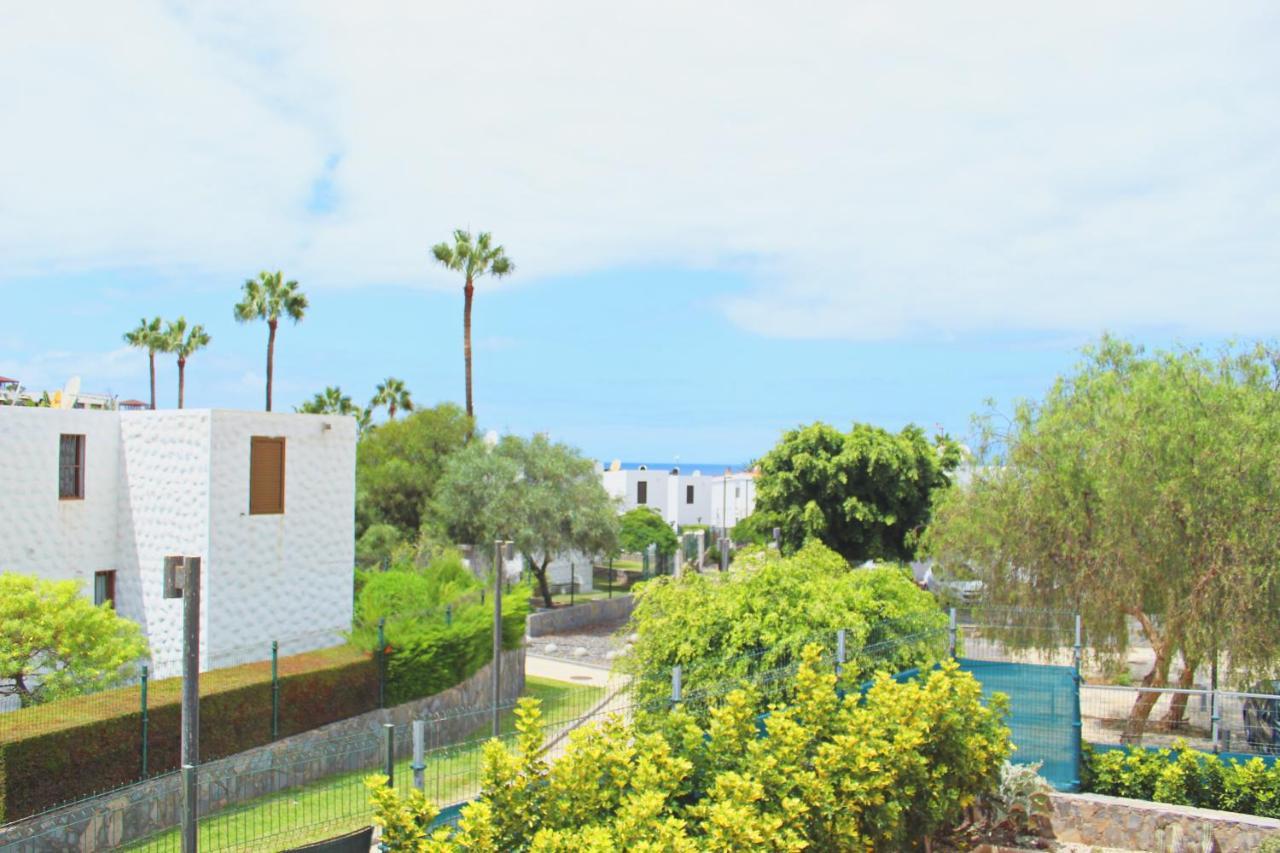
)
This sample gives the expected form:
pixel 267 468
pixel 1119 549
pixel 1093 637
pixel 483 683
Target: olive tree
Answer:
pixel 1144 487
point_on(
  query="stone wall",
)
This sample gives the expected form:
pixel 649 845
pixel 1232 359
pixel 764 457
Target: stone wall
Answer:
pixel 566 619
pixel 1139 825
pixel 108 821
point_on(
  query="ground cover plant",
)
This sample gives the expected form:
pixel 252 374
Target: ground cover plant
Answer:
pixel 880 772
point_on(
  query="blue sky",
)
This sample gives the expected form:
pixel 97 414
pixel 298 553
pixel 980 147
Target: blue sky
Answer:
pixel 722 229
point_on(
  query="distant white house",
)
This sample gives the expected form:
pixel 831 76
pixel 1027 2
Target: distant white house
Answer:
pixel 683 497
pixel 266 500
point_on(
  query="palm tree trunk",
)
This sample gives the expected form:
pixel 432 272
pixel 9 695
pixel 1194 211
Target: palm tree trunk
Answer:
pixel 271 357
pixel 182 379
pixel 468 294
pixel 391 410
pixel 152 355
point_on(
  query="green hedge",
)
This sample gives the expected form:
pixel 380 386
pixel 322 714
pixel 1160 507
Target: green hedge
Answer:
pixel 68 750
pixel 1185 777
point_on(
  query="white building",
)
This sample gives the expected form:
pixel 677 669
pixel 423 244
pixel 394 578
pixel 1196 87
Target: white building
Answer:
pixel 267 500
pixel 694 497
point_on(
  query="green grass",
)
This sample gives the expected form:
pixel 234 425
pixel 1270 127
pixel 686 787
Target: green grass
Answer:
pixel 340 803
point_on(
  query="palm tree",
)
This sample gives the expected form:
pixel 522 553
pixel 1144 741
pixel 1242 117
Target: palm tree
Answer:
pixel 473 260
pixel 392 394
pixel 268 297
pixel 330 401
pixel 184 342
pixel 149 337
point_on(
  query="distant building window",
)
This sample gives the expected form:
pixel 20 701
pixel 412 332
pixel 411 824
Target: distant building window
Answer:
pixel 642 492
pixel 736 491
pixel 71 466
pixel 688 494
pixel 266 476
pixel 104 588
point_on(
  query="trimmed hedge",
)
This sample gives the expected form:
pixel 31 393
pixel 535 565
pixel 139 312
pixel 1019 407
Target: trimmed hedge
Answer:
pixel 68 750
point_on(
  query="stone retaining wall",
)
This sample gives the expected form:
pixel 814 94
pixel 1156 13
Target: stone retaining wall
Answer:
pixel 106 822
pixel 1140 825
pixel 568 619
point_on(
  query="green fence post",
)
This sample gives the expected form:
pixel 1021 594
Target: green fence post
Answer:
pixel 382 662
pixel 275 689
pixel 145 734
pixel 611 577
pixel 1077 723
pixel 389 753
pixel 951 634
pixel 448 615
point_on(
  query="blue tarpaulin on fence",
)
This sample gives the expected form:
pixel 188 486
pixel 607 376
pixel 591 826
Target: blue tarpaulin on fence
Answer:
pixel 1044 709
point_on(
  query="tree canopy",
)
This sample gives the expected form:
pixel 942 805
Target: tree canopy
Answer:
pixel 865 494
pixel 399 463
pixel 641 527
pixel 543 495
pixel 54 642
pixel 1143 487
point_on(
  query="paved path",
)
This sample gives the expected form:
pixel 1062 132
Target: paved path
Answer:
pixel 573 672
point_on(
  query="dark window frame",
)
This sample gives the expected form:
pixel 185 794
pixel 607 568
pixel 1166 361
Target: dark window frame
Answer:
pixel 642 492
pixel 75 466
pixel 688 494
pixel 257 501
pixel 109 594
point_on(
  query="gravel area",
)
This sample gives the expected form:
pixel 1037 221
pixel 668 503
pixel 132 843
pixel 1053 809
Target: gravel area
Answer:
pixel 598 645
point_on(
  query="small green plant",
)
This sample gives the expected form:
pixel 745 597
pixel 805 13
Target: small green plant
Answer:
pixel 1020 804
pixel 1270 844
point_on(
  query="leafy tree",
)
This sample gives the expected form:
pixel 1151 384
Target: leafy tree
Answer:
pixel 55 643
pixel 399 463
pixel 184 342
pixel 865 493
pixel 757 619
pixel 1143 487
pixel 752 530
pixel 268 297
pixel 544 496
pixel 879 773
pixel 641 527
pixel 392 393
pixel 378 542
pixel 473 259
pixel 148 336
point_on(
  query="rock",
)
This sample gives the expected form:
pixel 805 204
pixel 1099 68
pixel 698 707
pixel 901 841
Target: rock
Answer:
pixel 610 655
pixel 551 648
pixel 580 652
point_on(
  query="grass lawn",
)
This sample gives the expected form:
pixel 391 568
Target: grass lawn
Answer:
pixel 341 803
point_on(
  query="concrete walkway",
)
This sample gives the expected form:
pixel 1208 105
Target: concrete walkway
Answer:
pixel 573 672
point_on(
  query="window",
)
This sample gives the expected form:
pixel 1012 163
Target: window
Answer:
pixel 266 476
pixel 736 491
pixel 642 492
pixel 104 588
pixel 688 494
pixel 71 467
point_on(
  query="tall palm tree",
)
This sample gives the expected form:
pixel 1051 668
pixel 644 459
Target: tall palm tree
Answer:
pixel 184 342
pixel 392 394
pixel 330 401
pixel 269 297
pixel 474 260
pixel 148 337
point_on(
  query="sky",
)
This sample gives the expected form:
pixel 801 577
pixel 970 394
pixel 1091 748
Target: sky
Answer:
pixel 727 219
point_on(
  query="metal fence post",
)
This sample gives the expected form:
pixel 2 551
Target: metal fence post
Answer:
pixel 1078 647
pixel 1077 719
pixel 840 653
pixel 145 733
pixel 675 684
pixel 190 699
pixel 951 634
pixel 389 753
pixel 275 689
pixel 610 579
pixel 382 662
pixel 1215 717
pixel 448 615
pixel 189 826
pixel 419 736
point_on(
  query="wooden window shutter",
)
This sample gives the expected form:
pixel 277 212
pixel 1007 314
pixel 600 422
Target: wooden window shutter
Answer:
pixel 266 476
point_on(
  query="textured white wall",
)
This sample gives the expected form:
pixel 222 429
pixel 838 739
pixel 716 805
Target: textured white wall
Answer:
pixel 666 494
pixel 287 577
pixel 732 500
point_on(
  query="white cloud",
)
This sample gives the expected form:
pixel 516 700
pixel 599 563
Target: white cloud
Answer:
pixel 878 170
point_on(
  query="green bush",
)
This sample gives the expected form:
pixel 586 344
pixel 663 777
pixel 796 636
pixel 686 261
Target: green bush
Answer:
pixel 874 774
pixel 759 616
pixel 1186 777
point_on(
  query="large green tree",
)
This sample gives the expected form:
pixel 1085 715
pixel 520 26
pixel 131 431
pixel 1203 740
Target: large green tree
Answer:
pixel 54 642
pixel 184 341
pixel 641 527
pixel 269 297
pixel 148 336
pixel 865 493
pixel 543 495
pixel 399 463
pixel 1144 487
pixel 474 259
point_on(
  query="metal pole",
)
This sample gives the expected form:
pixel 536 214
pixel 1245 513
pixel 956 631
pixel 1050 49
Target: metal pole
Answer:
pixel 573 579
pixel 275 689
pixel 389 753
pixel 951 634
pixel 724 553
pixel 382 661
pixel 675 684
pixel 190 700
pixel 1078 647
pixel 419 735
pixel 1214 711
pixel 840 653
pixel 611 577
pixel 448 615
pixel 497 637
pixel 145 734
pixel 1077 720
